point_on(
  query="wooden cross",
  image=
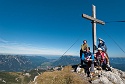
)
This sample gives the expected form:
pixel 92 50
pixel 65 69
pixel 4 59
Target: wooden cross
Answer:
pixel 94 21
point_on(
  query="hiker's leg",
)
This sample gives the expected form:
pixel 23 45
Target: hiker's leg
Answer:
pixel 88 71
pixel 103 65
pixel 81 53
pixel 92 67
pixel 81 57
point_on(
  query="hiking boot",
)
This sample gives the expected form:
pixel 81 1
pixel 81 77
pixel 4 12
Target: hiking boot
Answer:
pixel 99 68
pixel 99 76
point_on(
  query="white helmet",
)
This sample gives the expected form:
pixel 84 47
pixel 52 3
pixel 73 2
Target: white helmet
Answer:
pixel 99 48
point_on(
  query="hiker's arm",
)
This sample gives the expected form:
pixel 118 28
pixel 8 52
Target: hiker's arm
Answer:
pixel 92 57
pixel 107 59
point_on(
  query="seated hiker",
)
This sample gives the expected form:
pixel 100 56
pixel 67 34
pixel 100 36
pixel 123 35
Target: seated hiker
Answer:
pixel 102 45
pixel 102 59
pixel 84 46
pixel 88 59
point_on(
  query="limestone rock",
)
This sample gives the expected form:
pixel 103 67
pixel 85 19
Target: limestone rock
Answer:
pixel 108 77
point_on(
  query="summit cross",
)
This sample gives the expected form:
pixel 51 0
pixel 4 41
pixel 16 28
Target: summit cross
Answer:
pixel 94 21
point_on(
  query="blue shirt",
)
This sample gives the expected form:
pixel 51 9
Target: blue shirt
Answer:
pixel 88 55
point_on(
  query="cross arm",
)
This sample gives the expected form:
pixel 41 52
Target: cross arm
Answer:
pixel 93 19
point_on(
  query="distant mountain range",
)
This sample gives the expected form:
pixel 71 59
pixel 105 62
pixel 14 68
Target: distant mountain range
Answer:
pixel 21 63
pixel 67 60
pixel 116 62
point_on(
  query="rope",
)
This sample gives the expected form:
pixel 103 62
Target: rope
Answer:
pixel 104 32
pixel 71 46
pixel 113 40
pixel 115 21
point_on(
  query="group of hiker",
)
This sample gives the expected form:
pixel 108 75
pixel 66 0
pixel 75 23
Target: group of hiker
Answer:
pixel 100 58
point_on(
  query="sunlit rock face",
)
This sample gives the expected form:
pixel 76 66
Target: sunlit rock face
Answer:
pixel 111 77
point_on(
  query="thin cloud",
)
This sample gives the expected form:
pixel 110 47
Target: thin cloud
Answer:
pixel 23 48
pixel 16 48
pixel 3 41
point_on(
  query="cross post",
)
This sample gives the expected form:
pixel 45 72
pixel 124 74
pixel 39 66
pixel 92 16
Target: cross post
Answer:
pixel 94 21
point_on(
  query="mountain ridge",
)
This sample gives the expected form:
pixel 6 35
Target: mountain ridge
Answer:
pixel 20 63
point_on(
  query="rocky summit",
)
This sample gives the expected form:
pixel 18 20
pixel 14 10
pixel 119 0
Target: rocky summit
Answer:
pixel 107 77
pixel 111 77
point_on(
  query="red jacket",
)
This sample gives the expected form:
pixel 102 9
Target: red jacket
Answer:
pixel 100 56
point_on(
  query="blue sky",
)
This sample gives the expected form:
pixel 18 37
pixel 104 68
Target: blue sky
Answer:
pixel 51 26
